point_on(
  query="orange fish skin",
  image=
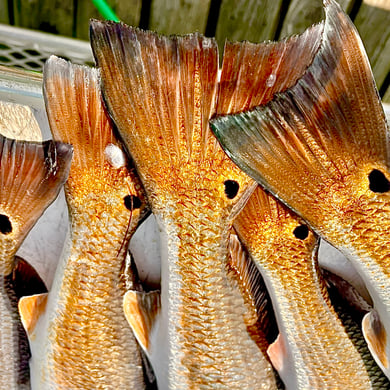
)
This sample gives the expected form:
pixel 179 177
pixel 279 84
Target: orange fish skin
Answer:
pixel 163 120
pixel 31 177
pixel 322 147
pixel 205 312
pixel 318 351
pixel 260 318
pixel 83 330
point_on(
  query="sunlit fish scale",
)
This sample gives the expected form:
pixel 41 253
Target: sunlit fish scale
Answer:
pixel 161 93
pixel 313 350
pixel 322 147
pixel 31 175
pixel 79 335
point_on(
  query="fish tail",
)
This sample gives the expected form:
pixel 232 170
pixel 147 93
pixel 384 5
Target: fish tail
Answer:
pixel 252 73
pixel 160 91
pixel 311 139
pixel 31 175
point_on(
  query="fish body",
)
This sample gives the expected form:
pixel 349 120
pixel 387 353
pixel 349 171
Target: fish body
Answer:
pixel 80 338
pixel 351 307
pixel 313 350
pixel 31 175
pixel 161 93
pixel 321 147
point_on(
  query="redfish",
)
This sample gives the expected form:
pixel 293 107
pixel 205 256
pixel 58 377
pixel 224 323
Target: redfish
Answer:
pixel 31 175
pixel 161 93
pixel 78 333
pixel 322 147
pixel 313 350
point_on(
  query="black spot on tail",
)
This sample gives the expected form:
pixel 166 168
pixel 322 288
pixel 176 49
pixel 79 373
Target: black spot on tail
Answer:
pixel 378 181
pixel 231 188
pixel 5 224
pixel 301 232
pixel 132 202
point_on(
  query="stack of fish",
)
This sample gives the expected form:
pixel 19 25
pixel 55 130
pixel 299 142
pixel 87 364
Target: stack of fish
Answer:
pixel 243 300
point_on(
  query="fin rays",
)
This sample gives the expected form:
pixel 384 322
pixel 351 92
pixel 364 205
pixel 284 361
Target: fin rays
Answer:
pixel 310 138
pixel 72 93
pixel 31 174
pixel 171 93
pixel 244 85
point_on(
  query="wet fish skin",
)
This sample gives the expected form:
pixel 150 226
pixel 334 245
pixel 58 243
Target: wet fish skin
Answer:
pixel 31 176
pixel 350 306
pixel 82 330
pixel 322 148
pixel 313 350
pixel 162 114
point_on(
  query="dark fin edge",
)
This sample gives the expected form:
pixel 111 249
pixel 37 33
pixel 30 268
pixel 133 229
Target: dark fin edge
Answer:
pixel 31 176
pixel 312 136
pixel 138 68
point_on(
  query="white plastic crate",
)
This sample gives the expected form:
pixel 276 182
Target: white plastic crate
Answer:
pixel 29 49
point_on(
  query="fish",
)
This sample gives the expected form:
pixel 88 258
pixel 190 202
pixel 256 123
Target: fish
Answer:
pixel 31 176
pixel 312 350
pixel 78 333
pixel 161 92
pixel 260 317
pixel 351 307
pixel 321 147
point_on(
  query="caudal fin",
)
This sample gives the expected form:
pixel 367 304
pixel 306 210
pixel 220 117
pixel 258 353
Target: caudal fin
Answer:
pixel 77 115
pixel 160 90
pixel 310 141
pixel 161 93
pixel 18 122
pixel 253 72
pixel 31 175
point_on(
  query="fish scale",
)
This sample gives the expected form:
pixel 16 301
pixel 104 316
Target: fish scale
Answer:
pixel 207 304
pixel 199 339
pixel 83 330
pixel 312 350
pixel 92 316
pixel 14 351
pixel 315 147
pixel 31 173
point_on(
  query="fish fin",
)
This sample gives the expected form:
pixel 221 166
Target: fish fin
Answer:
pixel 31 177
pixel 376 338
pixel 262 209
pixel 141 311
pixel 253 288
pixel 253 72
pixel 30 309
pixel 277 353
pixel 18 122
pixel 309 143
pixel 77 115
pixel 72 94
pixel 349 293
pixel 161 92
pixel 162 89
pixel 26 279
